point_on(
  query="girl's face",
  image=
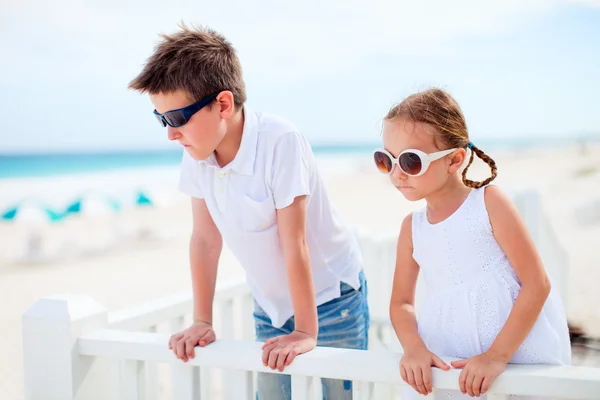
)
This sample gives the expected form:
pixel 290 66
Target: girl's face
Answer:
pixel 401 134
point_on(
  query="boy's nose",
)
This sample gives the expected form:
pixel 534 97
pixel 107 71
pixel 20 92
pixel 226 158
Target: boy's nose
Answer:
pixel 173 133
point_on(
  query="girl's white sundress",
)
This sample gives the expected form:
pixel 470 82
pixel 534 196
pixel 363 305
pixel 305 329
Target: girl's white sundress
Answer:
pixel 471 288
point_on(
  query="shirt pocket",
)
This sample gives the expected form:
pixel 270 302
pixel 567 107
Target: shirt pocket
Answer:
pixel 258 215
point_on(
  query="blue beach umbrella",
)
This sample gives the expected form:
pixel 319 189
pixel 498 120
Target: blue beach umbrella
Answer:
pixel 34 217
pixel 153 197
pixel 92 205
pixel 143 200
pixel 29 212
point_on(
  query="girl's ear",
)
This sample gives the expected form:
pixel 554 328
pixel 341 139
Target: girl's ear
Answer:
pixel 457 160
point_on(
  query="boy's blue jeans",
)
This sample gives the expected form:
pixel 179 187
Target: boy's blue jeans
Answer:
pixel 343 322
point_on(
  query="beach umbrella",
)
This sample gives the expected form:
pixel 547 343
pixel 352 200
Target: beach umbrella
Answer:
pixel 92 223
pixel 156 198
pixel 29 218
pixel 143 200
pixel 93 206
pixel 152 215
pixel 30 212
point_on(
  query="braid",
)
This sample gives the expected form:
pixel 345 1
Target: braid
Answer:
pixel 486 159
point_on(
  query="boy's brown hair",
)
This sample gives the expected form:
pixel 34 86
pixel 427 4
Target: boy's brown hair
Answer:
pixel 197 61
pixel 438 109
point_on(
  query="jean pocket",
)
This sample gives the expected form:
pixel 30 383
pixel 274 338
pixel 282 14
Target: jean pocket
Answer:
pixel 346 289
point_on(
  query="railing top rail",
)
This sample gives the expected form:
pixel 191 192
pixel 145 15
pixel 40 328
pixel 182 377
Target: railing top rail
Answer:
pixel 566 382
pixel 161 309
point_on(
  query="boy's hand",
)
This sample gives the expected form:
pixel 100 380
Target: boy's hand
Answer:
pixel 478 373
pixel 183 343
pixel 280 351
pixel 415 369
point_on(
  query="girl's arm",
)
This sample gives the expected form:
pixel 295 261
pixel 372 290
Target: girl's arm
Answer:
pixel 415 366
pixel 511 234
pixel 402 312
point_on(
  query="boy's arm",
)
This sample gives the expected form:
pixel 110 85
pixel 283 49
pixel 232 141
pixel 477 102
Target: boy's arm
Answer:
pixel 280 351
pixel 290 184
pixel 205 249
pixel 292 236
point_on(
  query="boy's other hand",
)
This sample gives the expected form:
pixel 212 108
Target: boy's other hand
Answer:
pixel 415 369
pixel 280 351
pixel 183 343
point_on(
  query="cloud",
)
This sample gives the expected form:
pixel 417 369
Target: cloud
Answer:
pixel 76 39
pixel 79 55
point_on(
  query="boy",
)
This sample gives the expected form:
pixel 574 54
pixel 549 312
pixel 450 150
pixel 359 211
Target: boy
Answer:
pixel 254 182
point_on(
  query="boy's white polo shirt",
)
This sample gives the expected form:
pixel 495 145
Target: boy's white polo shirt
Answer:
pixel 274 164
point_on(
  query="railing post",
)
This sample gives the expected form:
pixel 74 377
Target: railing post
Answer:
pixel 242 387
pixel 132 380
pixel 186 382
pixel 227 329
pixel 301 387
pixel 531 211
pixel 529 205
pixel 150 377
pixel 247 320
pixel 363 390
pixel 53 368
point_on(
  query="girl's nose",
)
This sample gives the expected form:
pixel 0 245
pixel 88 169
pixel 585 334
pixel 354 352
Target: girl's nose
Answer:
pixel 397 173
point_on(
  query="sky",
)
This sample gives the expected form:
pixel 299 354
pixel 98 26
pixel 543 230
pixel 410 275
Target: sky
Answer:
pixel 334 68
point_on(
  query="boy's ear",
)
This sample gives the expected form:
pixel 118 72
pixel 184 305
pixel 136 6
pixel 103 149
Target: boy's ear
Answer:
pixel 226 104
pixel 457 160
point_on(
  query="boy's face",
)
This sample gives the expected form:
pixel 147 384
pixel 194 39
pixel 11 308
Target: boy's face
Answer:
pixel 204 130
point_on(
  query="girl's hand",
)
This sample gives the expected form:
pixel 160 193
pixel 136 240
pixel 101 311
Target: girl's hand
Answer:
pixel 415 369
pixel 478 373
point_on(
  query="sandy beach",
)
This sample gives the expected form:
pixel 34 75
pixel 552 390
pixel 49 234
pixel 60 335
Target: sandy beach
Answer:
pixel 568 180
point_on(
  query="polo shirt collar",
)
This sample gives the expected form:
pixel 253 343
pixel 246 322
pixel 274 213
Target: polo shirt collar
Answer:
pixel 243 162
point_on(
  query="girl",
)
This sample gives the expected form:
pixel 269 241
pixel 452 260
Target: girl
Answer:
pixel 488 299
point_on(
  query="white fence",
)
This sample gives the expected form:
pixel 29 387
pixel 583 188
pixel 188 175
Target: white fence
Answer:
pixel 75 349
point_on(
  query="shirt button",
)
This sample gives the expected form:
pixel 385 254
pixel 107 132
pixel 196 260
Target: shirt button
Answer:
pixel 221 190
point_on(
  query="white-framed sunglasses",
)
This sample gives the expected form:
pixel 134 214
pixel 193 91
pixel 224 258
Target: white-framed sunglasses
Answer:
pixel 411 161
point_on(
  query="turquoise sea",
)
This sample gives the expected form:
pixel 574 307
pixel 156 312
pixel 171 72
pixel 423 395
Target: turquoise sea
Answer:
pixel 15 165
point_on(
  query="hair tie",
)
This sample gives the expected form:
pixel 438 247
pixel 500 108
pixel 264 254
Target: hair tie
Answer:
pixel 470 145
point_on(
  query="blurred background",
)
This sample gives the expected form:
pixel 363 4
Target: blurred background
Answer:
pixel 88 179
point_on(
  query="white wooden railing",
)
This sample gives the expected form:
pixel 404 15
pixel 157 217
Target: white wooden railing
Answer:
pixel 54 329
pixel 75 349
pixel 72 352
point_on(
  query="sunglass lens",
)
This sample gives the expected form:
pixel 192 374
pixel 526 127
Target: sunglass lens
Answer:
pixel 175 119
pixel 410 163
pixel 160 120
pixel 383 162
